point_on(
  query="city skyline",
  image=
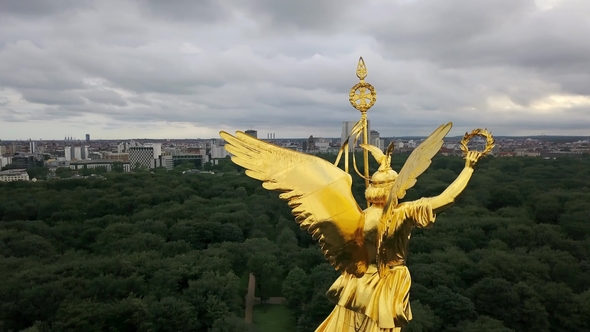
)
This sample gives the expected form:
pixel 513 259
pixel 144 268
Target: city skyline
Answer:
pixel 124 69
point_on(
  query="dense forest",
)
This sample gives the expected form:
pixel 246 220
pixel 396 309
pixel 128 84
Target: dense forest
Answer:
pixel 166 251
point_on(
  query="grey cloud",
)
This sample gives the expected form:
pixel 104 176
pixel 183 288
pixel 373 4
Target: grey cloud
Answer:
pixel 440 30
pixel 139 100
pixel 10 118
pixel 9 115
pixel 108 97
pixel 287 66
pixel 58 113
pixel 314 15
pixel 476 34
pixel 37 7
pixel 25 65
pixel 49 97
pixel 187 10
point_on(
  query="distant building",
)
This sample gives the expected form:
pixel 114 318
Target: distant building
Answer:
pixel 309 145
pixel 123 147
pixel 77 153
pixel 218 152
pixel 124 157
pixel 157 149
pixel 373 134
pixel 376 140
pixel 141 156
pixel 56 163
pixel 32 147
pixel 14 175
pixel 164 161
pixel 22 162
pixel 146 155
pixel 347 127
pixel 195 159
pixel 68 153
pixel 527 153
pixel 252 133
pixel 87 138
pixel 91 164
pixel 5 161
pixel 94 156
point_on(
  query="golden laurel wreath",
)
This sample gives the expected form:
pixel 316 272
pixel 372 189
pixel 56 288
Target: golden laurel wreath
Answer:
pixel 490 142
pixel 362 97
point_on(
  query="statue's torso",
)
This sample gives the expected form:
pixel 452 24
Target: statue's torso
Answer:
pixel 397 238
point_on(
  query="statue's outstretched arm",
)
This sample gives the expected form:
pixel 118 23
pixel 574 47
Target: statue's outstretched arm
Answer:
pixel 447 198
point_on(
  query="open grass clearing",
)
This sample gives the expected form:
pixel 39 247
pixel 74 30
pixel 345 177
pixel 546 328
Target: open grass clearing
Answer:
pixel 274 318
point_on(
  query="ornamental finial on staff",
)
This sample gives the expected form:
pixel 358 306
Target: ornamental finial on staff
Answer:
pixel 362 96
pixel 361 70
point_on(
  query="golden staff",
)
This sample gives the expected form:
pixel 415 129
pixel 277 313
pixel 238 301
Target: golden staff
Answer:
pixel 362 97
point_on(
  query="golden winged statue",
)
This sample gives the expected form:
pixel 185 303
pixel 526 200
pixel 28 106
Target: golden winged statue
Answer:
pixel 368 246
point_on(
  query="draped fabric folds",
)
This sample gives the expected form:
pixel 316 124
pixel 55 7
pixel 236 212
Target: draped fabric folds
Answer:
pixel 374 303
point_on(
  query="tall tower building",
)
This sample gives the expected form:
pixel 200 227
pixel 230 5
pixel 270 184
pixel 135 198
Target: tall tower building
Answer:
pixel 84 153
pixel 347 129
pixel 68 153
pixel 376 140
pixel 77 153
pixel 32 147
pixel 87 138
pixel 252 133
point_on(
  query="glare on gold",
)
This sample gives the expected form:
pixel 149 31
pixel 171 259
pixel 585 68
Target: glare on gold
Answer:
pixel 368 246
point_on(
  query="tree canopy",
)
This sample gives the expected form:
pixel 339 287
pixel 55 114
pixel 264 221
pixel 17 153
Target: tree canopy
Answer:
pixel 167 251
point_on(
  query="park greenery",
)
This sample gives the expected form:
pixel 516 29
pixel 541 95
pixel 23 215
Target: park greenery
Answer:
pixel 165 251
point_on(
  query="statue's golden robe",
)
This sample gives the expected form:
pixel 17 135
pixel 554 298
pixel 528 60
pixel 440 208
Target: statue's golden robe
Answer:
pixel 374 303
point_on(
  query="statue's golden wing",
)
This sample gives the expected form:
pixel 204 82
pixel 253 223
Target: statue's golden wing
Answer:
pixel 415 165
pixel 419 161
pixel 318 192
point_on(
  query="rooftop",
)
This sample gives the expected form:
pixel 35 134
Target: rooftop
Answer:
pixel 97 161
pixel 13 171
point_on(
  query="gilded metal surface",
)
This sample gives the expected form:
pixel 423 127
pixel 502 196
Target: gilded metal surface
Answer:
pixel 362 96
pixel 361 69
pixel 490 142
pixel 368 246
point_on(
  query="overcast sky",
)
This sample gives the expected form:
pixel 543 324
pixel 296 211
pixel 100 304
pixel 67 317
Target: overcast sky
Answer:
pixel 189 68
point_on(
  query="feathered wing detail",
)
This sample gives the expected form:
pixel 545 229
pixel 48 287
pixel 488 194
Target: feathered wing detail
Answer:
pixel 375 151
pixel 418 162
pixel 318 193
